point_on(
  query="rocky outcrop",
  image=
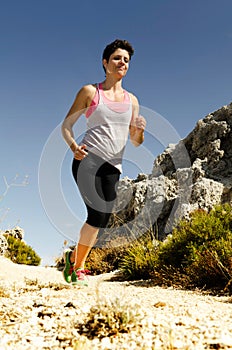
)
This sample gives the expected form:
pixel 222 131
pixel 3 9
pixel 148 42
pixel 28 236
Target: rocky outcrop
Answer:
pixel 3 243
pixel 16 232
pixel 194 174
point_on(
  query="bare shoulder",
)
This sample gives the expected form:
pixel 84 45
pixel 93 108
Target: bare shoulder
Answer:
pixel 87 90
pixel 134 99
pixel 85 95
pixel 89 87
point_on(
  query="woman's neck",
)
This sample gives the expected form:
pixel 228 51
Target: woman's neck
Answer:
pixel 113 85
pixel 113 90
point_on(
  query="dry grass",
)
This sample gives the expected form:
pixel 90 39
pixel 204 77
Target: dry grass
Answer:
pixel 36 285
pixel 111 316
pixel 4 293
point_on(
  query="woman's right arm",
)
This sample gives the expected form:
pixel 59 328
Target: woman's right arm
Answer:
pixel 81 102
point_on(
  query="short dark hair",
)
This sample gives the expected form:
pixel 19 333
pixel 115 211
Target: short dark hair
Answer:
pixel 117 44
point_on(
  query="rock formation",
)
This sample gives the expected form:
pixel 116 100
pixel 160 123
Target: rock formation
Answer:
pixel 16 232
pixel 195 173
pixel 3 243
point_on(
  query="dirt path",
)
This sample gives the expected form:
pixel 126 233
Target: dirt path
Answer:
pixel 39 311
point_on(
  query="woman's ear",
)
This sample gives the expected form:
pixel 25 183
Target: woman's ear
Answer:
pixel 104 62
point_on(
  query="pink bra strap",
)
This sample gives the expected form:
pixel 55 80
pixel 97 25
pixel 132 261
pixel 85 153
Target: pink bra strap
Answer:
pixel 126 95
pixel 93 104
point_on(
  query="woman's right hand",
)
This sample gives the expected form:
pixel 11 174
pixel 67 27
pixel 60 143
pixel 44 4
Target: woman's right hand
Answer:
pixel 80 152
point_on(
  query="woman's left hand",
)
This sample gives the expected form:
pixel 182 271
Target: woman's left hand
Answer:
pixel 140 123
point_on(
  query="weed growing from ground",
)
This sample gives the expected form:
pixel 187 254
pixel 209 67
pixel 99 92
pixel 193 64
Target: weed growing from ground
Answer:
pixel 109 317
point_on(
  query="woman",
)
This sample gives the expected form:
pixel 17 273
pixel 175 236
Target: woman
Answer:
pixel 112 114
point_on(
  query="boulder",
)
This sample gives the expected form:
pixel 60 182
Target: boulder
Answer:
pixel 194 174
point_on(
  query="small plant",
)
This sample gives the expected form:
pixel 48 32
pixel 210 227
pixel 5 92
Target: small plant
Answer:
pixel 110 317
pixel 30 282
pixel 139 260
pixel 21 253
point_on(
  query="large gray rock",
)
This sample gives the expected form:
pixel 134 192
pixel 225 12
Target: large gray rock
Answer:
pixel 194 174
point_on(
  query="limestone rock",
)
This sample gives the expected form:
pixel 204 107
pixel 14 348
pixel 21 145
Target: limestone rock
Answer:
pixel 195 173
pixel 16 232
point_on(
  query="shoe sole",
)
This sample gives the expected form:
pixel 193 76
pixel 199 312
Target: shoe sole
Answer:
pixel 79 284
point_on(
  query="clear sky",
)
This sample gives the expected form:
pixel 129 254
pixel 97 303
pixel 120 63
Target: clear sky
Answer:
pixel 181 70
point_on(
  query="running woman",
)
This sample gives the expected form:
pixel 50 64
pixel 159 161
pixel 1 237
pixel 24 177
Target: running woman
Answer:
pixel 112 114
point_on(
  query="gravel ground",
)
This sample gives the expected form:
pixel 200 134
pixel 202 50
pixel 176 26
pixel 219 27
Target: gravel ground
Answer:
pixel 39 311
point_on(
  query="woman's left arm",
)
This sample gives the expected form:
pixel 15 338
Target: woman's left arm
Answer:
pixel 138 124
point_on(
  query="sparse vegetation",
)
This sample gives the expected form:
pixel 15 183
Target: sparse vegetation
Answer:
pixel 110 317
pixel 201 248
pixel 198 253
pixel 4 293
pixel 36 285
pixel 103 260
pixel 21 253
pixel 139 260
pixel 100 260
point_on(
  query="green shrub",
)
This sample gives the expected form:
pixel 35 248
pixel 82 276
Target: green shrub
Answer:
pixel 21 253
pixel 202 247
pixel 212 268
pixel 139 260
pixel 198 253
pixel 103 260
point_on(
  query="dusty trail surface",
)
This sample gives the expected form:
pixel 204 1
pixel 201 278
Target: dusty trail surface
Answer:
pixel 38 310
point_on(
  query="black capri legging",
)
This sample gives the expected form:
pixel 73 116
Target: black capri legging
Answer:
pixel 97 181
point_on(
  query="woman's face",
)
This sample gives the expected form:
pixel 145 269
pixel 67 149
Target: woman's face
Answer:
pixel 118 63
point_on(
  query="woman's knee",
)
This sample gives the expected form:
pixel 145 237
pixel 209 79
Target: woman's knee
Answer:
pixel 98 219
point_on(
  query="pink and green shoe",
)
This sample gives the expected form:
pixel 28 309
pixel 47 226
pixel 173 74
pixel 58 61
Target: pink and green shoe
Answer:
pixel 79 277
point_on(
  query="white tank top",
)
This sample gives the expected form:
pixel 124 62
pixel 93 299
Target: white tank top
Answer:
pixel 108 128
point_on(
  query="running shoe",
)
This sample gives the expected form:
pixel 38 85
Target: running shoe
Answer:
pixel 79 277
pixel 68 269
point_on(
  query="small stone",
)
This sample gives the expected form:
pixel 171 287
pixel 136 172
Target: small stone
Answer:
pixel 160 304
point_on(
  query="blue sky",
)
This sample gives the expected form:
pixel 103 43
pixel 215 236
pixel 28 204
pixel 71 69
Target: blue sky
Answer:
pixel 49 49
